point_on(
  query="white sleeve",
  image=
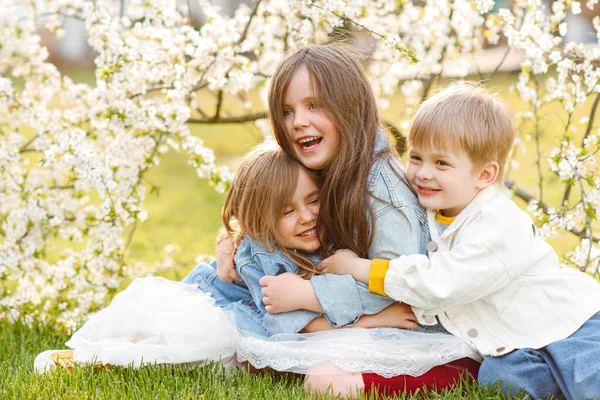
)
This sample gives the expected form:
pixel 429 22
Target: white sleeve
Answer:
pixel 446 280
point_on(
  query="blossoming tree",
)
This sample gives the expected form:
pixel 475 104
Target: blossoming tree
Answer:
pixel 73 156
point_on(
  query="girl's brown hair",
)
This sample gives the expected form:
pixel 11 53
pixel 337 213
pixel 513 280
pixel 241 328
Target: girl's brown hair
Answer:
pixel 343 90
pixel 264 183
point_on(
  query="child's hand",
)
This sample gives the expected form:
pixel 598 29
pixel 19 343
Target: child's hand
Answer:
pixel 225 266
pixel 346 262
pixel 288 292
pixel 398 315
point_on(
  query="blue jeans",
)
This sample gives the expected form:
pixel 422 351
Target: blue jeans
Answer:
pixel 234 297
pixel 568 368
pixel 244 300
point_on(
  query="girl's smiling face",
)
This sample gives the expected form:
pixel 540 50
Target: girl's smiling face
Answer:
pixel 311 131
pixel 297 227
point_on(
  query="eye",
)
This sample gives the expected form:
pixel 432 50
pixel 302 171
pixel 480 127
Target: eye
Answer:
pixel 315 201
pixel 442 163
pixel 415 159
pixel 287 113
pixel 314 106
pixel 288 212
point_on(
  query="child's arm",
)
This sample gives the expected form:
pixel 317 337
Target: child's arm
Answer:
pixel 225 253
pixel 448 279
pixel 288 292
pixel 398 315
pixel 340 298
pixel 252 272
pixel 347 262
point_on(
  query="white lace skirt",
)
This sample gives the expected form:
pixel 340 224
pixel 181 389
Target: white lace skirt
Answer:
pixel 384 351
pixel 158 321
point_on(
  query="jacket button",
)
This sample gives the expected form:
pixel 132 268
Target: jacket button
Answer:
pixel 430 319
pixel 500 349
pixel 473 333
pixel 432 246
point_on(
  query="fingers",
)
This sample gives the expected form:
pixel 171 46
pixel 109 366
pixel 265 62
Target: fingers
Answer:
pixel 322 266
pixel 265 280
pixel 226 269
pixel 235 276
pixel 224 276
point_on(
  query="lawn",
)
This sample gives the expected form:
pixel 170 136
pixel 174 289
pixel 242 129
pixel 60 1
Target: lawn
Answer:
pixel 19 345
pixel 185 214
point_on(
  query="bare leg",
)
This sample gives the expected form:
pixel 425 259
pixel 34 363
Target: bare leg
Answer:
pixel 326 378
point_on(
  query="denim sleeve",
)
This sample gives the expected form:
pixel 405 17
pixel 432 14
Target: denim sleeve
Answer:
pixel 397 232
pixel 399 222
pixel 288 322
pixel 344 300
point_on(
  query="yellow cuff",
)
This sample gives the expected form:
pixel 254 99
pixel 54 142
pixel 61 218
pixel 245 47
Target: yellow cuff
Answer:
pixel 377 276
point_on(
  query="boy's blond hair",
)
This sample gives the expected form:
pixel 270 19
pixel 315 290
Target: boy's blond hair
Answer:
pixel 465 116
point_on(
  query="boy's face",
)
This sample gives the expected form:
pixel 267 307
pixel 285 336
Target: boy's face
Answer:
pixel 445 181
pixel 297 227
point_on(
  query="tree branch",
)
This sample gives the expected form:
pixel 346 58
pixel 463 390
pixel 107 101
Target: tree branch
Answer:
pixel 590 235
pixel 400 138
pixel 567 193
pixel 591 119
pixel 435 77
pixel 25 149
pixel 528 197
pixel 504 57
pixel 538 135
pixel 230 120
pixel 247 27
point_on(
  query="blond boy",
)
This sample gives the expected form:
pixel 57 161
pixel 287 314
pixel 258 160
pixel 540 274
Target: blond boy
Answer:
pixel 489 279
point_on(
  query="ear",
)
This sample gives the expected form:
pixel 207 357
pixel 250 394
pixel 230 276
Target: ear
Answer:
pixel 488 175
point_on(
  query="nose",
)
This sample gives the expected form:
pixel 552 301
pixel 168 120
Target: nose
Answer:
pixel 307 215
pixel 300 119
pixel 424 172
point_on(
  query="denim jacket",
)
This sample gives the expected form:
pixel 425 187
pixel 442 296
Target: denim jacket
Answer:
pixel 244 299
pixel 400 228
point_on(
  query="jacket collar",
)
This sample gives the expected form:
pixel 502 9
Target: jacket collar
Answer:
pixel 257 248
pixel 381 141
pixel 475 205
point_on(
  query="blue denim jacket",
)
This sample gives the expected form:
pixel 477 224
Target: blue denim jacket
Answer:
pixel 400 228
pixel 244 299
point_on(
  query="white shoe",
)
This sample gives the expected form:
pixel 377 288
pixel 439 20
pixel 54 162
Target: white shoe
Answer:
pixel 51 359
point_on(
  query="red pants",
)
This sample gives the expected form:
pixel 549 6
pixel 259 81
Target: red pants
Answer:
pixel 436 379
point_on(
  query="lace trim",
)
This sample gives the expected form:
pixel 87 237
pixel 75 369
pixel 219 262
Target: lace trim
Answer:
pixel 386 352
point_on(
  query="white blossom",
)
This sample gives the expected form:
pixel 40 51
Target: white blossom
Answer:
pixel 73 155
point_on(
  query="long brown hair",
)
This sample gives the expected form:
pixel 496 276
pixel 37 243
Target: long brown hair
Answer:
pixel 264 183
pixel 343 90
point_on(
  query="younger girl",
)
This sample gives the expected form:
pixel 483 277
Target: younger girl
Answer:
pixel 271 210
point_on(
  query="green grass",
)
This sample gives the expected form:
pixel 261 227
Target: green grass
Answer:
pixel 19 345
pixel 185 213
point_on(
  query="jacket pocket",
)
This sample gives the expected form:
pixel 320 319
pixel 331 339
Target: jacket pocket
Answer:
pixel 527 312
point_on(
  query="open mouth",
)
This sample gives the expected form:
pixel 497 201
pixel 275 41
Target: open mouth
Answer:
pixel 308 233
pixel 427 191
pixel 309 143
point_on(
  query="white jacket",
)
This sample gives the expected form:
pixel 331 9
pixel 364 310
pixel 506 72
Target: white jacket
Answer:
pixel 493 282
